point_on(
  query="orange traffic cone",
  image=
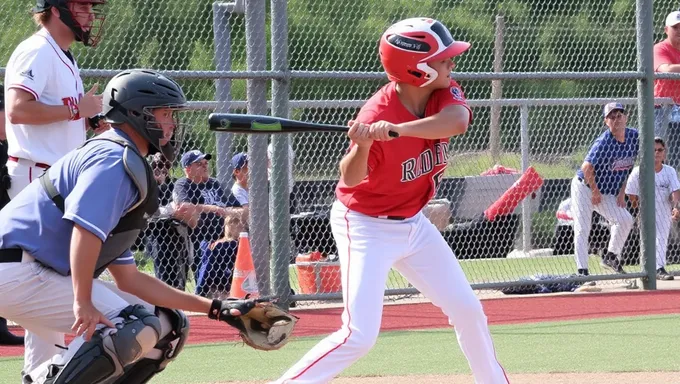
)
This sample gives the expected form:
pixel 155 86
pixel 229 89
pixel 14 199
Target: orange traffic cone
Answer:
pixel 528 183
pixel 244 281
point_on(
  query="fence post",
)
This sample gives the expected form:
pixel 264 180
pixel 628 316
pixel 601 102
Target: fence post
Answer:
pixel 526 204
pixel 645 87
pixel 279 193
pixel 497 91
pixel 222 34
pixel 258 195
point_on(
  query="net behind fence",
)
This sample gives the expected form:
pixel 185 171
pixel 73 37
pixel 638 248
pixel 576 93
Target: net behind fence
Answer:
pixel 195 247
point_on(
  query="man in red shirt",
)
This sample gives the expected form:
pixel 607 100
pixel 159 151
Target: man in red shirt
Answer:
pixel 667 59
pixel 385 182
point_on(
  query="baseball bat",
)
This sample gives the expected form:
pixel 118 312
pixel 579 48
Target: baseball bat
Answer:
pixel 238 123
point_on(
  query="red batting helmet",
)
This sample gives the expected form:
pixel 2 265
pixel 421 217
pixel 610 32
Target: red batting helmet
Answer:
pixel 407 46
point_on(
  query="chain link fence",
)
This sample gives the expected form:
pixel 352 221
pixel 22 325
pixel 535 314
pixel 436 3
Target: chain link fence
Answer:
pixel 317 61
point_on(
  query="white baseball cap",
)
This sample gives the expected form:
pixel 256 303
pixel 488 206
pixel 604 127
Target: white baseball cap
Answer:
pixel 673 18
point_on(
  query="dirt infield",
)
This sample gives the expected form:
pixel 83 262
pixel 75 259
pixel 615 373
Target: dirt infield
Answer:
pixel 542 378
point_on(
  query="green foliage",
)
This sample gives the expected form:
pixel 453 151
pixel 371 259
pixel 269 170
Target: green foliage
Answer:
pixel 330 35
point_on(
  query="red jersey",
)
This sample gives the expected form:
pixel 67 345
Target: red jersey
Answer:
pixel 665 53
pixel 403 173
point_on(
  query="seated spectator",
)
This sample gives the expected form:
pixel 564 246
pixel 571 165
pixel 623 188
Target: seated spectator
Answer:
pixel 208 197
pixel 239 163
pixel 166 238
pixel 217 261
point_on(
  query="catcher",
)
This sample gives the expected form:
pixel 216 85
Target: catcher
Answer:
pixel 79 219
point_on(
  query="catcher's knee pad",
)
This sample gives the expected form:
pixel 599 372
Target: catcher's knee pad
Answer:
pixel 165 351
pixel 103 358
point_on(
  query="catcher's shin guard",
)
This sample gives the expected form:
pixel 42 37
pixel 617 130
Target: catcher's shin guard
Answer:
pixel 103 358
pixel 165 351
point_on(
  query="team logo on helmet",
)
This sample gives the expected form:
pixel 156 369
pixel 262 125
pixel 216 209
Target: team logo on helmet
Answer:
pixel 408 44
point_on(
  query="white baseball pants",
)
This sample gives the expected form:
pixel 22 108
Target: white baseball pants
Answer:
pixel 41 301
pixel 368 248
pixel 582 211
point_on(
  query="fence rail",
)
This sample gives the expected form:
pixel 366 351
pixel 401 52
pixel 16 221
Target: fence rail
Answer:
pixel 536 92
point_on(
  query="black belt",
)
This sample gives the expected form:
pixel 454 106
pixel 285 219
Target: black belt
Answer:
pixel 398 218
pixel 11 255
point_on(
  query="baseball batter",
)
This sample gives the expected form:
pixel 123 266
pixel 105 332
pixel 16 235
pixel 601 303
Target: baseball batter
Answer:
pixel 377 221
pixel 56 237
pixel 47 107
pixel 600 185
pixel 666 200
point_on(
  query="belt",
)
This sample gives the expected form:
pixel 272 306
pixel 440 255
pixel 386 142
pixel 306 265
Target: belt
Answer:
pixel 398 218
pixel 39 165
pixel 11 255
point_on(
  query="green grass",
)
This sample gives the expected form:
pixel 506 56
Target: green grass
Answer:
pixel 473 164
pixel 477 271
pixel 602 345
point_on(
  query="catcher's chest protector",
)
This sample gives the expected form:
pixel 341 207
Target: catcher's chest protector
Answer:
pixel 123 236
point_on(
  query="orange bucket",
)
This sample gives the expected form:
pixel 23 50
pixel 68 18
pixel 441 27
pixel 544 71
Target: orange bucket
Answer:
pixel 316 276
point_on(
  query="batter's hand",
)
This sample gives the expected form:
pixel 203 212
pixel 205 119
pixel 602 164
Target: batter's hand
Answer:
pixel 90 104
pixel 597 198
pixel 360 133
pixel 87 318
pixel 380 130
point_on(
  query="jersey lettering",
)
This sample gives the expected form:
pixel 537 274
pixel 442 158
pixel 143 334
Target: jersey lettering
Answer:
pixel 71 101
pixel 437 180
pixel 414 168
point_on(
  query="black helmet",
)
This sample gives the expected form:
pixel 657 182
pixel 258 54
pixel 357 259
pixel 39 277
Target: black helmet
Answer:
pixel 131 95
pixel 88 37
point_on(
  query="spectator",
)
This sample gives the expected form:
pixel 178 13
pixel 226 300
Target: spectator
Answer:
pixel 240 188
pixel 217 261
pixel 209 198
pixel 167 239
pixel 667 202
pixel 6 337
pixel 563 243
pixel 291 177
pixel 667 59
pixel 600 184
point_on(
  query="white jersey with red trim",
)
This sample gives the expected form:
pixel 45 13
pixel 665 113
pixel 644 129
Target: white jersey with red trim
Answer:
pixel 40 67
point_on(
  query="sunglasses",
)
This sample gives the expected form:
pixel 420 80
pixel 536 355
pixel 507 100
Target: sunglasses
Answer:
pixel 659 149
pixel 616 115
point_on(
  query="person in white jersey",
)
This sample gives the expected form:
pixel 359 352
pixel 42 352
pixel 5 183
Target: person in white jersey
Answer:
pixel 48 111
pixel 666 200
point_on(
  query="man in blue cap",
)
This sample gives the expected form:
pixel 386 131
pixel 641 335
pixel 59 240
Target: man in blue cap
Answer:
pixel 239 163
pixel 209 197
pixel 600 185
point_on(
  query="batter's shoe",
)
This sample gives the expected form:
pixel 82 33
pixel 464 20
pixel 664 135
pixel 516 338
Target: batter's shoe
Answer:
pixel 6 337
pixel 611 262
pixel 661 274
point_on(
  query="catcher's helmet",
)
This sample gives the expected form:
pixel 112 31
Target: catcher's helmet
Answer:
pixel 89 36
pixel 131 96
pixel 407 46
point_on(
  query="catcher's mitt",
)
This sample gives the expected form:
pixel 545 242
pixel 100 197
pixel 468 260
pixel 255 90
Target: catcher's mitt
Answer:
pixel 262 324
